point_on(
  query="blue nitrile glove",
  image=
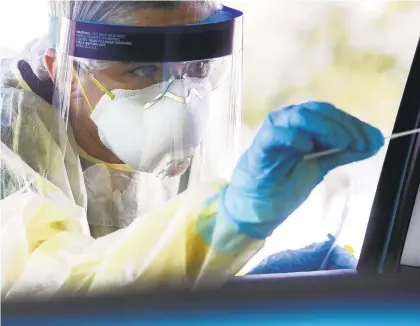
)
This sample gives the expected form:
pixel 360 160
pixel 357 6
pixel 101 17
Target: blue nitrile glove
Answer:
pixel 340 258
pixel 308 259
pixel 272 179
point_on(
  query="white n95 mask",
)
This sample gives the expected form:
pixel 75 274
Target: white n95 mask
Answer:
pixel 155 129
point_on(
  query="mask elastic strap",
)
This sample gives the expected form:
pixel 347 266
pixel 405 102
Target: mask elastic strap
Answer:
pixel 97 83
pixel 87 157
pixel 76 75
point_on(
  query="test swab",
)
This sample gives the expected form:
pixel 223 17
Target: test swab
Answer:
pixel 337 150
pixel 344 216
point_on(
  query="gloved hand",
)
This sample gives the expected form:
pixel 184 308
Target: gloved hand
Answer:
pixel 308 259
pixel 272 179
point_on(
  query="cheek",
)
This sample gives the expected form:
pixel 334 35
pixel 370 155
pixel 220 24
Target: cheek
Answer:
pixel 94 96
pixel 80 110
pixel 83 94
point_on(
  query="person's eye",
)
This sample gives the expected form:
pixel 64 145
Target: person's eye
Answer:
pixel 147 71
pixel 199 69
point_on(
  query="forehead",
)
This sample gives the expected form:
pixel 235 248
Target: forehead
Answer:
pixel 187 12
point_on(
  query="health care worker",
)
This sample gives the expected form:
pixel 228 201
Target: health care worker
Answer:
pixel 110 138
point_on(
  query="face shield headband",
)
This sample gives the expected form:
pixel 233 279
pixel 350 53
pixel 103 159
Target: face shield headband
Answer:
pixel 218 36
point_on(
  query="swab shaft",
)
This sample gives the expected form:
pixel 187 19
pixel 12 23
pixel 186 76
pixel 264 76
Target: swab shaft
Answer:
pixel 337 150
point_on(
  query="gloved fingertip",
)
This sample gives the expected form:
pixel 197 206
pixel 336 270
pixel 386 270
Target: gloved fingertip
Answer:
pixel 331 237
pixel 376 142
pixel 371 140
pixel 380 139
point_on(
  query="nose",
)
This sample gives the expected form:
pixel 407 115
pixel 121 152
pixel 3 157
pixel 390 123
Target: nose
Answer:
pixel 176 70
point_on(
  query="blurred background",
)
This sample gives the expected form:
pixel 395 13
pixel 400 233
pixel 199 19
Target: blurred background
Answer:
pixel 355 54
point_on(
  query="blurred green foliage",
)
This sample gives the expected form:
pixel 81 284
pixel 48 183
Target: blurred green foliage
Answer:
pixel 364 81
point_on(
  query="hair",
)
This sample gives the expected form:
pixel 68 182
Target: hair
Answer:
pixel 117 12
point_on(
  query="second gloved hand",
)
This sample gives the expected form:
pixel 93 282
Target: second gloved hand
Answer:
pixel 272 179
pixel 308 259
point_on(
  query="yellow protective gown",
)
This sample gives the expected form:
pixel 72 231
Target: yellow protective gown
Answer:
pixel 46 243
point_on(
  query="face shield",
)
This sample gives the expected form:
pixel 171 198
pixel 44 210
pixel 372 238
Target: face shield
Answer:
pixel 149 107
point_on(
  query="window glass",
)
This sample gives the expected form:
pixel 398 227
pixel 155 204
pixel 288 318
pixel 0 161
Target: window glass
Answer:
pixel 354 54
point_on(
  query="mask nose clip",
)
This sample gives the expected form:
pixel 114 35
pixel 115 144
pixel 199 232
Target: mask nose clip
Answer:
pixel 172 96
